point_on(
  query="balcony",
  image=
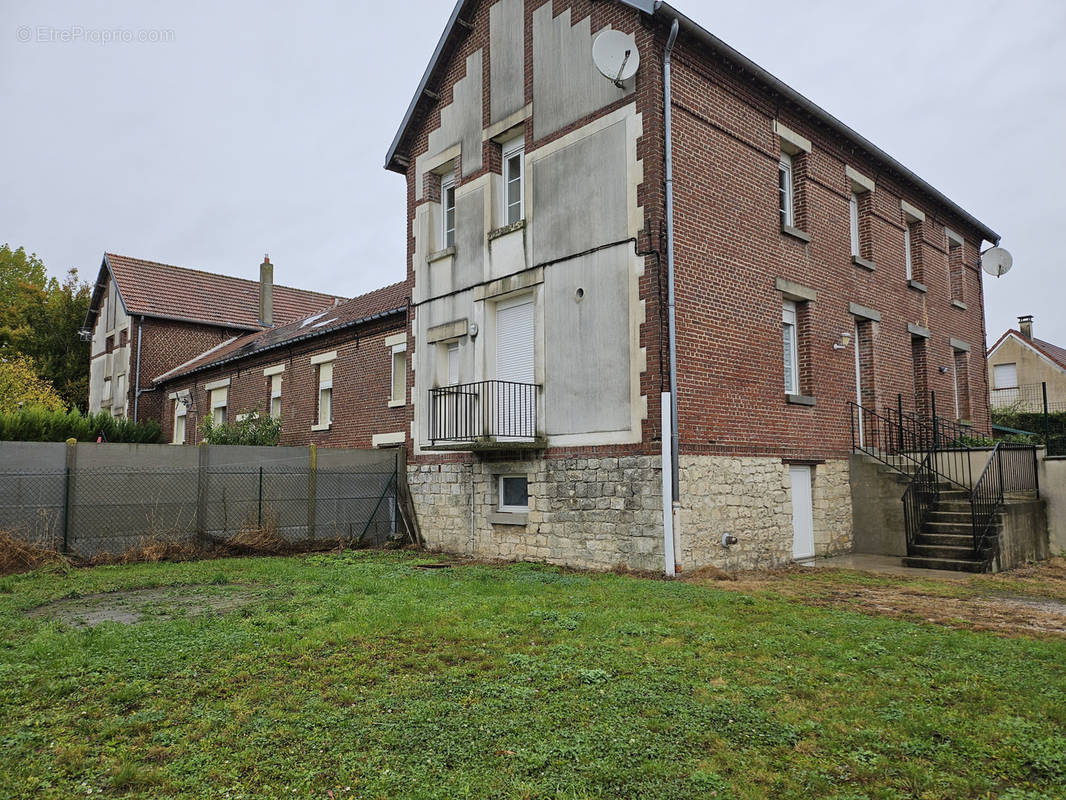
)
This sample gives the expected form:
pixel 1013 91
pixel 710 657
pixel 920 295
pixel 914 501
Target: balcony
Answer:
pixel 488 415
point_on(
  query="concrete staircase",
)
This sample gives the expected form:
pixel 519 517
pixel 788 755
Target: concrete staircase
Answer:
pixel 946 539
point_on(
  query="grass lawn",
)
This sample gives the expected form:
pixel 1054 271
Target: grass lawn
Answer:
pixel 360 675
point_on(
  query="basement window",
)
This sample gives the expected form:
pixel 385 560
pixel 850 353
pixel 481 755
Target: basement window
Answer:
pixel 514 494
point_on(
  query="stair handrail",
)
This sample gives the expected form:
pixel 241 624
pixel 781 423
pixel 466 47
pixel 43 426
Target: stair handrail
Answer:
pixel 921 497
pixel 985 501
pixel 913 443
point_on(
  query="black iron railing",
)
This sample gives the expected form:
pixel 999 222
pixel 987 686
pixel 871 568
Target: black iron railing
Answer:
pixel 919 500
pixel 493 410
pixel 1011 469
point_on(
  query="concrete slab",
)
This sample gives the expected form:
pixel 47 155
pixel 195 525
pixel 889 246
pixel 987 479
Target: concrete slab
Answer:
pixel 884 565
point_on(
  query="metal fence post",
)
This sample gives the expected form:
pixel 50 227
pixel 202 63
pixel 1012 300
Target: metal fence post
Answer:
pixel 1047 421
pixel 201 491
pixel 936 433
pixel 899 411
pixel 312 470
pixel 72 445
pixel 259 515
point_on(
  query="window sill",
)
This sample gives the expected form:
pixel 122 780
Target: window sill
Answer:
pixel 439 254
pixel 506 229
pixel 859 261
pixel 396 404
pixel 959 304
pixel 799 400
pixel 796 233
pixel 508 518
pixel 322 426
pixel 918 287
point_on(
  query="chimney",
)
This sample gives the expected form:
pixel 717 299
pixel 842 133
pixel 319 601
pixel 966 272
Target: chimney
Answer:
pixel 1025 325
pixel 266 292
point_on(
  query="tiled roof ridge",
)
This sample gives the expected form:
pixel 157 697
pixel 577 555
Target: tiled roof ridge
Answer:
pixel 222 275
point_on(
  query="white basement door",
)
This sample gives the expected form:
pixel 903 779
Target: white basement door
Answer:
pixel 514 405
pixel 802 513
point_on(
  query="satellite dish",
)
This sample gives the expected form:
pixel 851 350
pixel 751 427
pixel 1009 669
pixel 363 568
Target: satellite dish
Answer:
pixel 996 261
pixel 615 55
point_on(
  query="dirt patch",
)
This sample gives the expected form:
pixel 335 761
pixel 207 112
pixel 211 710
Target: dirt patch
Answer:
pixel 1030 601
pixel 143 605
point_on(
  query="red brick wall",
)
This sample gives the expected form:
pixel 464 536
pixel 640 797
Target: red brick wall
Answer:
pixel 165 345
pixel 730 250
pixel 361 389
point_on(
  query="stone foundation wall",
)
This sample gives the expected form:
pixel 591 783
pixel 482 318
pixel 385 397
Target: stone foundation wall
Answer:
pixel 601 513
pixel 751 498
pixel 596 513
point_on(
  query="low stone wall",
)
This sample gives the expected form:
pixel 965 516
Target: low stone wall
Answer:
pixel 877 508
pixel 1024 535
pixel 751 498
pixel 601 513
pixel 596 513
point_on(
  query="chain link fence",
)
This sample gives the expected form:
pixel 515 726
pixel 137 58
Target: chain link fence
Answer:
pixel 1026 412
pixel 86 513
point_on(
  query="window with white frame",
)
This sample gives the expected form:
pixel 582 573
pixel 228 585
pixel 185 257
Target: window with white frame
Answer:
pixel 790 337
pixel 180 413
pixel 908 254
pixel 513 181
pixel 1005 376
pixel 398 385
pixel 325 395
pixel 853 218
pixel 787 202
pixel 447 208
pixel 513 494
pixel 219 399
pixel 275 396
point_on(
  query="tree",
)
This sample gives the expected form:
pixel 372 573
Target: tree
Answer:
pixel 20 388
pixel 40 318
pixel 54 341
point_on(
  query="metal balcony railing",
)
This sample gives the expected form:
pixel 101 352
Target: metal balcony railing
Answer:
pixel 497 411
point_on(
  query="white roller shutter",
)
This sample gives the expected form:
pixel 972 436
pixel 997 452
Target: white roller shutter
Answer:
pixel 1005 376
pixel 514 341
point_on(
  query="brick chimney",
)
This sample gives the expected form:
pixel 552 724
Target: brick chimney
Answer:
pixel 266 292
pixel 1025 325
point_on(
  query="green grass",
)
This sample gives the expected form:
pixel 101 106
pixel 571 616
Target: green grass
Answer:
pixel 360 674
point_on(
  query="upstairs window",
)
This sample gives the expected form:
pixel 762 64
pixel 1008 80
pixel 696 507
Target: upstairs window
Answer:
pixel 786 198
pixel 513 157
pixel 447 203
pixel 853 215
pixel 908 253
pixel 1005 376
pixel 912 241
pixel 790 338
pixel 399 375
pixel 956 266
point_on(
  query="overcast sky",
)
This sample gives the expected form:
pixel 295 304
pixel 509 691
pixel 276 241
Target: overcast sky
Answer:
pixel 245 128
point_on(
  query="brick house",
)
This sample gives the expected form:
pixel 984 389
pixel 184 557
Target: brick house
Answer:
pixel 1018 363
pixel 604 316
pixel 146 318
pixel 335 378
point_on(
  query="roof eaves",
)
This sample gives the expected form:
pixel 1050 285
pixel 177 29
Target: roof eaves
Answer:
pixel 276 345
pixel 820 114
pixel 392 162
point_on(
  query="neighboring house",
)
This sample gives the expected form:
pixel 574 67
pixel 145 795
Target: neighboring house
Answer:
pixel 334 378
pixel 146 318
pixel 810 269
pixel 1018 363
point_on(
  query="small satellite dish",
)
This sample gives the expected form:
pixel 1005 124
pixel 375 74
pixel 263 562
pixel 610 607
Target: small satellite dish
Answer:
pixel 996 261
pixel 615 55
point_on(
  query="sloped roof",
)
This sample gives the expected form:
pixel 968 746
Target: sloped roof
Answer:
pixel 1052 352
pixel 458 27
pixel 373 305
pixel 165 291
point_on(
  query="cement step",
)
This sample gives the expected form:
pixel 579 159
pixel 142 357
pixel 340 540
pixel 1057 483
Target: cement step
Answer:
pixel 957 565
pixel 922 550
pixel 947 539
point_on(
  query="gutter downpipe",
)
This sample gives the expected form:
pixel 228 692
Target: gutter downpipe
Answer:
pixel 671 485
pixel 137 390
